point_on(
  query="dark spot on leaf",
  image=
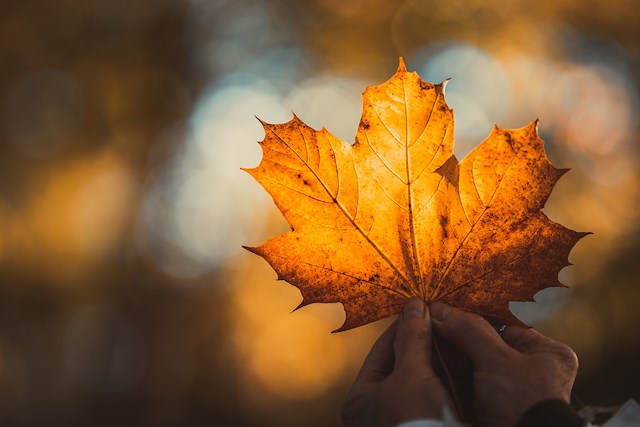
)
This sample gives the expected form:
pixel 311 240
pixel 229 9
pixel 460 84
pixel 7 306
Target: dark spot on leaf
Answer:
pixel 507 136
pixel 444 221
pixel 306 182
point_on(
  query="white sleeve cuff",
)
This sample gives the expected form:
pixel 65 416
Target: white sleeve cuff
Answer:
pixel 447 421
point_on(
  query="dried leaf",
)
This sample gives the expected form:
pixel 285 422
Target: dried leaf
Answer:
pixel 396 216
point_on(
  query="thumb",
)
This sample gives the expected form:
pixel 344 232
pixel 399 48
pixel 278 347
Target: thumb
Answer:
pixel 412 345
pixel 469 332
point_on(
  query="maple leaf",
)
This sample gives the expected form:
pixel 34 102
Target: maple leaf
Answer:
pixel 396 216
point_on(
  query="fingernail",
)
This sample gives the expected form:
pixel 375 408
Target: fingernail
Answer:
pixel 413 309
pixel 439 310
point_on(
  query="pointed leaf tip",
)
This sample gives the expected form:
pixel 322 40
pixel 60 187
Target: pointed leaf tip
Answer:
pixel 534 126
pixel 441 87
pixel 251 249
pixel 340 329
pixel 262 122
pixel 402 68
pixel 302 304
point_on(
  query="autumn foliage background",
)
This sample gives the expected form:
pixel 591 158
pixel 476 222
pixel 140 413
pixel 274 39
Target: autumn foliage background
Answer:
pixel 125 297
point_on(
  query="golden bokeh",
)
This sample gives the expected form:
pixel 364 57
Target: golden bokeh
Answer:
pixel 125 295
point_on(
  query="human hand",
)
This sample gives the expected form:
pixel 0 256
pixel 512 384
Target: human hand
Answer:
pixel 396 382
pixel 512 371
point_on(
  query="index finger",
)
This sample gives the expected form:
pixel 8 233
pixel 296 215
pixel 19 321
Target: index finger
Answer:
pixel 379 362
pixel 523 339
pixel 470 333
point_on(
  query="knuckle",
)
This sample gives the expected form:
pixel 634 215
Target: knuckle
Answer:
pixel 404 374
pixel 408 340
pixel 413 375
pixel 569 356
pixel 412 331
pixel 465 321
pixel 501 353
pixel 564 357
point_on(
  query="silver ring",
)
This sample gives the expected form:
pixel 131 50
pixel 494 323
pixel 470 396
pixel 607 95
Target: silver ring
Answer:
pixel 502 328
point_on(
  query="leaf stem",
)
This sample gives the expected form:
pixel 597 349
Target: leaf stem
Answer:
pixel 451 387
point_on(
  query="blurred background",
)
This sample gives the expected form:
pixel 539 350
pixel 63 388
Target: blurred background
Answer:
pixel 125 296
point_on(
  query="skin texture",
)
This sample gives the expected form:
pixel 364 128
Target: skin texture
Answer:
pixel 511 372
pixel 397 382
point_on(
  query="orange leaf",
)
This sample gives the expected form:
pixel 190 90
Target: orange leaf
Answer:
pixel 395 215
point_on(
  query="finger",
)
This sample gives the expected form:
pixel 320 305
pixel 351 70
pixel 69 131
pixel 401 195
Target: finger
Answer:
pixel 379 362
pixel 412 345
pixel 469 332
pixel 523 339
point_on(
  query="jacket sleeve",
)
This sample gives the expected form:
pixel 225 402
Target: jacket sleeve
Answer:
pixel 550 413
